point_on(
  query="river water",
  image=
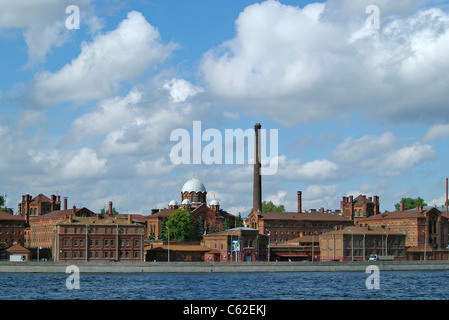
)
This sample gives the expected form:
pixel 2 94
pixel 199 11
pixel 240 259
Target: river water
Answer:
pixel 392 285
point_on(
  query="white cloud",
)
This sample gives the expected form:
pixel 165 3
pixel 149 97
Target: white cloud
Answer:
pixel 181 89
pixel 315 170
pixel 438 131
pixel 112 58
pixel 301 65
pixel 352 151
pixel 409 156
pixel 76 164
pixel 43 23
pixel 277 199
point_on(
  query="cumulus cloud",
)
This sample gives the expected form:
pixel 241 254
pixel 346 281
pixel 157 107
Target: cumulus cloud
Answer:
pixel 438 131
pixel 315 170
pixel 306 64
pixel 42 22
pixel 181 89
pixel 118 56
pixel 351 150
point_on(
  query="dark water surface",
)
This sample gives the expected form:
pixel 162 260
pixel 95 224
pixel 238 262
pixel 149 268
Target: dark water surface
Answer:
pixel 393 285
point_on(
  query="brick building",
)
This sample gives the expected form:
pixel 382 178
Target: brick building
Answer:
pixel 42 228
pixel 358 243
pixel 194 200
pixel 12 230
pixel 285 226
pixel 236 244
pixel 360 207
pixel 425 229
pixel 40 205
pixel 100 238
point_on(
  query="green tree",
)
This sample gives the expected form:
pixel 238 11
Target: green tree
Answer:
pixel 271 207
pixel 239 221
pixel 181 226
pixel 151 236
pixel 226 224
pixel 2 202
pixel 200 227
pixel 104 211
pixel 163 232
pixel 410 203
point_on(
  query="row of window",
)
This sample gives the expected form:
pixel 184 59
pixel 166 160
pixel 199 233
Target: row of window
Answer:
pixel 102 254
pixel 102 230
pixel 12 232
pixel 291 225
pixel 11 225
pixel 106 243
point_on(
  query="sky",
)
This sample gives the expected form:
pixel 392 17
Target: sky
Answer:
pixel 87 112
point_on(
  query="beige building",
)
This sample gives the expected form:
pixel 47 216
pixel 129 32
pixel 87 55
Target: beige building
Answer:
pixel 358 243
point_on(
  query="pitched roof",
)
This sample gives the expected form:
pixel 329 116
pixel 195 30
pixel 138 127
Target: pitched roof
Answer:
pixel 40 199
pixel 361 199
pixel 7 216
pixel 365 230
pixel 303 216
pixel 412 213
pixel 17 248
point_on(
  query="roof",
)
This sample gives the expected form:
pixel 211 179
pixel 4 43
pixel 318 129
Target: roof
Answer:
pixel 232 231
pixel 40 199
pixel 100 220
pixel 303 216
pixel 163 213
pixel 412 213
pixel 17 248
pixel 366 231
pixel 178 247
pixel 193 185
pixel 7 216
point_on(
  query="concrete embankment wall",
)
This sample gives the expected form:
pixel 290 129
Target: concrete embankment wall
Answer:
pixel 205 267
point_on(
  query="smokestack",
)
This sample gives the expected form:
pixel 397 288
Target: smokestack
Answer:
pixel 446 196
pixel 401 206
pixel 65 203
pixel 299 201
pixel 110 208
pixel 257 189
pixel 74 209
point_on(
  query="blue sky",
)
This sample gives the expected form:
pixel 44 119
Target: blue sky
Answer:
pixel 87 113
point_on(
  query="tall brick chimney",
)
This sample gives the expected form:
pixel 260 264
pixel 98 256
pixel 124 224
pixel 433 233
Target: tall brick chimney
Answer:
pixel 446 196
pixel 299 201
pixel 401 206
pixel 257 188
pixel 65 203
pixel 110 208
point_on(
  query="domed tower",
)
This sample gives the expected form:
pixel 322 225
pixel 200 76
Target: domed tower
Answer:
pixel 173 205
pixel 195 191
pixel 215 205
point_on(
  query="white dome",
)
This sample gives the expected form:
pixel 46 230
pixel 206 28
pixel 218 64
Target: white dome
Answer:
pixel 185 201
pixel 214 203
pixel 173 203
pixel 193 185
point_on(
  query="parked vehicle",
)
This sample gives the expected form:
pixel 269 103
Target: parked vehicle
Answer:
pixel 373 257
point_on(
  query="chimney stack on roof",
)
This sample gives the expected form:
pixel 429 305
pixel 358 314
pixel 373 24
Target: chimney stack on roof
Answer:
pixel 110 208
pixel 299 201
pixel 257 181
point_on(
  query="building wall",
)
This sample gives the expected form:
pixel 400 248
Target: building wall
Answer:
pixel 104 242
pixel 345 246
pixel 12 230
